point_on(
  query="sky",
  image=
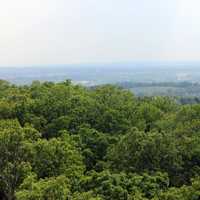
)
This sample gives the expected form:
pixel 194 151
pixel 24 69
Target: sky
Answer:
pixel 47 32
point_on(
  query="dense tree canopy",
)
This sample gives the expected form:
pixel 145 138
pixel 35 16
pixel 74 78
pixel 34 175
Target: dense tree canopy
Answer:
pixel 65 141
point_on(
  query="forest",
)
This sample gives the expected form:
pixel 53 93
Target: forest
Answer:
pixel 60 141
pixel 186 91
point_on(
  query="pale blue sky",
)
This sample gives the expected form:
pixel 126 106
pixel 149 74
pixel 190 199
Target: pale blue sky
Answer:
pixel 42 32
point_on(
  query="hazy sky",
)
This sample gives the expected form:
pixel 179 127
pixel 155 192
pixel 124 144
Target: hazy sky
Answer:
pixel 34 32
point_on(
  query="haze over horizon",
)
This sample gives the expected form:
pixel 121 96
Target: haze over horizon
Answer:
pixel 60 32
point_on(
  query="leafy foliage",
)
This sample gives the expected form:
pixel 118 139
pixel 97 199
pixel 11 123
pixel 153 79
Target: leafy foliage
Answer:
pixel 64 141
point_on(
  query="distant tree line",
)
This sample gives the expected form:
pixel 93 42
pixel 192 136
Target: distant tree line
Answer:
pixel 184 92
pixel 183 84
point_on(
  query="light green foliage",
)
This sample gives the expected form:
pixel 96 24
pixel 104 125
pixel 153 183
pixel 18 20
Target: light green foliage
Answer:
pixel 86 196
pixel 44 189
pixel 56 156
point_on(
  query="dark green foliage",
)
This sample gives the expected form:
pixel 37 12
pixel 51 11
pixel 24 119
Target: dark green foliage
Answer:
pixel 94 145
pixel 122 186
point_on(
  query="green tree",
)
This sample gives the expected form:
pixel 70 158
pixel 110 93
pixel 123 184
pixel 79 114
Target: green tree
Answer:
pixel 139 151
pixel 44 189
pixel 14 163
pixel 57 156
